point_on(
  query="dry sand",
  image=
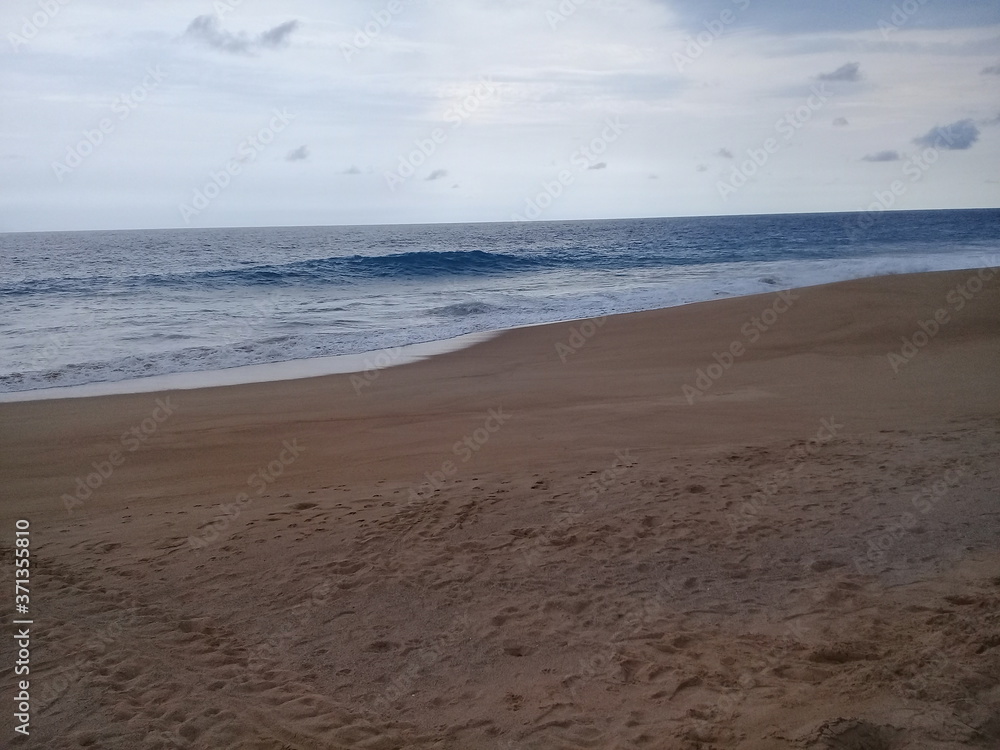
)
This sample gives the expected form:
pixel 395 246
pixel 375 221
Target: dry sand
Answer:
pixel 804 557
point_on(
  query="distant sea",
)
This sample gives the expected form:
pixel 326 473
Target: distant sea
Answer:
pixel 87 307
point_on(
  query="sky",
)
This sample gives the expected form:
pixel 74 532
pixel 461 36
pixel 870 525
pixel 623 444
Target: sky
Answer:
pixel 209 113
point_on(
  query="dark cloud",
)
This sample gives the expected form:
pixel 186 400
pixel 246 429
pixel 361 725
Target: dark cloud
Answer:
pixel 702 168
pixel 841 122
pixel 955 137
pixel 883 156
pixel 207 30
pixel 277 36
pixel 599 165
pixel 993 70
pixel 725 153
pixel 847 72
pixel 437 174
pixel 352 170
pixel 299 154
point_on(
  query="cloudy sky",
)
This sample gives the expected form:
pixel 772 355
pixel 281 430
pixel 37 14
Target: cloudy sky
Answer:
pixel 255 112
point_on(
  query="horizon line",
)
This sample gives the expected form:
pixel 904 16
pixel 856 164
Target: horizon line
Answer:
pixel 530 221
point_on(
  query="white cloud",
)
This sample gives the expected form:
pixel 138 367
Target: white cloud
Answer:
pixel 554 90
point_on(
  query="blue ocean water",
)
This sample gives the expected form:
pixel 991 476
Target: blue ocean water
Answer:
pixel 85 307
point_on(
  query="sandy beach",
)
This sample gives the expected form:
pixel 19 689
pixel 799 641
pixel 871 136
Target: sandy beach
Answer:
pixel 767 522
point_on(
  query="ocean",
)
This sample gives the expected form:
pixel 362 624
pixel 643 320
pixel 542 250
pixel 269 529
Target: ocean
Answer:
pixel 110 306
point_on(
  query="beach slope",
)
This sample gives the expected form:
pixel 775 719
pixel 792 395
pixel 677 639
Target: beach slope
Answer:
pixel 765 522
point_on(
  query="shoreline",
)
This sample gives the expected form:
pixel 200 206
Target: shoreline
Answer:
pixel 360 362
pixel 293 369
